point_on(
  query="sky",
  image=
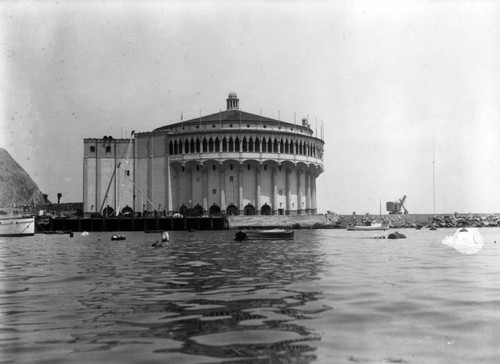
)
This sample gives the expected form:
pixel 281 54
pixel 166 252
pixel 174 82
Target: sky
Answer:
pixel 408 91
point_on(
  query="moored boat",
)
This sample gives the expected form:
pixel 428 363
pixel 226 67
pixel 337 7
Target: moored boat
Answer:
pixel 374 226
pixel 272 234
pixel 17 226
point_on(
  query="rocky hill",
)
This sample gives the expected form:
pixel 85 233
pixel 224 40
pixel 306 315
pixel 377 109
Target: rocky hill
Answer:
pixel 16 186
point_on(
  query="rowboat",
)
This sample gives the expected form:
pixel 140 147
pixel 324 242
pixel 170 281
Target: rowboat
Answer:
pixel 17 226
pixel 272 234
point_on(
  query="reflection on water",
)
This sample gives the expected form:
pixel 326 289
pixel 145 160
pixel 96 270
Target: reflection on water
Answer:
pixel 329 296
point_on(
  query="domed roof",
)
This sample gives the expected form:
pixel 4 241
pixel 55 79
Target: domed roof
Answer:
pixel 226 116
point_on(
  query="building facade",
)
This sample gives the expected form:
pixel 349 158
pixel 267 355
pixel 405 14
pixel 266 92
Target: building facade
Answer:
pixel 232 162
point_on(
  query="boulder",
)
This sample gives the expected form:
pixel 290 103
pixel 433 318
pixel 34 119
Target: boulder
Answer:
pixel 396 235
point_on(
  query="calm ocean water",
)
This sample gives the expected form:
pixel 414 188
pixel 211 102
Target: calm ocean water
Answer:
pixel 330 296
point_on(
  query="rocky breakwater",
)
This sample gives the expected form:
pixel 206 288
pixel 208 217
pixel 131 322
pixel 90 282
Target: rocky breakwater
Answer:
pixel 280 221
pixel 454 220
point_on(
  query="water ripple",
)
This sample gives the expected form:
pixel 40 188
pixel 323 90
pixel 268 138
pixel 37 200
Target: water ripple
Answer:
pixel 328 296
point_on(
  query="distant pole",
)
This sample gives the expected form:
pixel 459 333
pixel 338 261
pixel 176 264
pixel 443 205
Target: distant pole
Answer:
pixel 433 177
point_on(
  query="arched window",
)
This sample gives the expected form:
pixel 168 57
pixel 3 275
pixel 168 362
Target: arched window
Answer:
pixel 265 209
pixel 198 145
pixel 210 145
pixel 186 146
pixel 232 210
pixel 291 147
pixel 249 210
pixel 269 146
pixel 231 144
pixel 127 211
pixel 205 145
pixel 264 146
pixel 192 146
pixel 198 210
pixel 108 211
pixel 250 145
pixel 244 145
pixel 237 144
pixel 286 147
pixel 224 144
pixel 275 146
pixel 217 145
pixel 214 210
pixel 257 145
pixel 170 148
pixel 282 146
pixel 175 147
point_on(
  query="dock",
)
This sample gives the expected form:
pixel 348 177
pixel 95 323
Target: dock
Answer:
pixel 146 224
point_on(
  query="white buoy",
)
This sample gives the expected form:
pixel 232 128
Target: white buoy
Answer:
pixel 465 240
pixel 85 233
pixel 164 237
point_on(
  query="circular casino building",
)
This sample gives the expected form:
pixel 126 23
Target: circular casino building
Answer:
pixel 230 162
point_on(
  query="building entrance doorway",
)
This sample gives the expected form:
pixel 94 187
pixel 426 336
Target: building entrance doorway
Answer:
pixel 265 210
pixel 232 210
pixel 249 210
pixel 214 210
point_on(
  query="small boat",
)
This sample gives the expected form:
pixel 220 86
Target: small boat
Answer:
pixel 14 224
pixel 370 226
pixel 272 234
pixel 118 237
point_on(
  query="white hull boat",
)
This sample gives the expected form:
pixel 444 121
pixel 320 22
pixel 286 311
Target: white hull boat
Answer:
pixel 372 227
pixel 17 226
